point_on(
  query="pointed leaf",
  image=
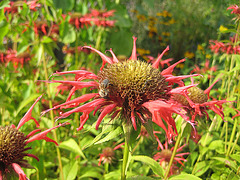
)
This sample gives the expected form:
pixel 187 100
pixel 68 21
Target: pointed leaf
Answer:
pixel 72 145
pixel 115 133
pixel 184 176
pixel 154 165
pixel 72 172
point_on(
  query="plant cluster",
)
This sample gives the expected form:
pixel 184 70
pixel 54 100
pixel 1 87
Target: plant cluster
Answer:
pixel 133 112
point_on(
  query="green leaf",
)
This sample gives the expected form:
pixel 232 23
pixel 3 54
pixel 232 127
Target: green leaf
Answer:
pixel 72 172
pixel 92 174
pixel 236 157
pixel 67 33
pixel 201 168
pixel 39 54
pixel 32 98
pixel 140 178
pixel 155 166
pixel 106 129
pixel 23 49
pixel 218 146
pixel 72 145
pixel 4 28
pixel 227 162
pixel 115 133
pixel 149 128
pixel 46 39
pixel 65 5
pixel 4 3
pixel 184 176
pixel 123 37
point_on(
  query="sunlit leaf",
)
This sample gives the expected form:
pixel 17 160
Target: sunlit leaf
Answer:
pixel 155 166
pixel 184 177
pixel 72 145
pixel 113 134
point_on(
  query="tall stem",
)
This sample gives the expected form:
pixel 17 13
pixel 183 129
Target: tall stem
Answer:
pixel 173 154
pixel 125 156
pixel 51 114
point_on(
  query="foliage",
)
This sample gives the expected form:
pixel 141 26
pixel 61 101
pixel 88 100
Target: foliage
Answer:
pixel 39 38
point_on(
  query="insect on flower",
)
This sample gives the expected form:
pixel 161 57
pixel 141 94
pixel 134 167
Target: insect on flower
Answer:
pixel 104 88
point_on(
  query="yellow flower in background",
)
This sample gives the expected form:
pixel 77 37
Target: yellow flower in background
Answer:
pixel 152 18
pixel 222 28
pixel 208 56
pixel 189 55
pixel 134 11
pixel 141 18
pixel 143 51
pixel 172 21
pixel 164 14
pixel 180 65
pixel 166 33
pixel 200 47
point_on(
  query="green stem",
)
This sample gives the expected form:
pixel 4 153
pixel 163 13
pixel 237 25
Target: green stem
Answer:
pixel 51 114
pixel 232 136
pixel 173 154
pixel 213 124
pixel 106 166
pixel 125 157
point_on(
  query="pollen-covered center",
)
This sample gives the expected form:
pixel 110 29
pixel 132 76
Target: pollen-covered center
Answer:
pixel 132 83
pixel 11 146
pixel 196 94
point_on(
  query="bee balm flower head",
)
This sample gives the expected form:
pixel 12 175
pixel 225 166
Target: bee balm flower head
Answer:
pixel 133 90
pixel 14 144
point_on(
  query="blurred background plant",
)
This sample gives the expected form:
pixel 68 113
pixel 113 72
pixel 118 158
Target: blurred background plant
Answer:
pixel 41 37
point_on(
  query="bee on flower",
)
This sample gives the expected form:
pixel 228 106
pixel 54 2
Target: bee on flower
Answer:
pixel 132 90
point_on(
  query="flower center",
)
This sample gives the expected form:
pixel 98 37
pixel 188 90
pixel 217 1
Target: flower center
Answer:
pixel 11 146
pixel 196 94
pixel 131 83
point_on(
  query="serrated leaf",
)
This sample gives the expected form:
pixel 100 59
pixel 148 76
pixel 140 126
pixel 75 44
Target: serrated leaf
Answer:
pixel 155 166
pixel 184 176
pixel 105 129
pixel 115 133
pixel 72 145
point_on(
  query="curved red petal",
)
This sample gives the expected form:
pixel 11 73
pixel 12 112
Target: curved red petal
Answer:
pixel 157 62
pixel 134 50
pixel 28 115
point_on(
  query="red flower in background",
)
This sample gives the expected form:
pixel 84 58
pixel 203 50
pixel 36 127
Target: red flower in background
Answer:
pixel 165 155
pixel 229 48
pixel 95 17
pixel 12 56
pixel 205 70
pixel 13 146
pixel 235 9
pixel 107 155
pixel 13 6
pixel 195 100
pixel 133 90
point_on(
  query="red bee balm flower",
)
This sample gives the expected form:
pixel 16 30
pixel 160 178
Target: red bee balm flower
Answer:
pixel 132 89
pixel 196 102
pixel 13 146
pixel 165 155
